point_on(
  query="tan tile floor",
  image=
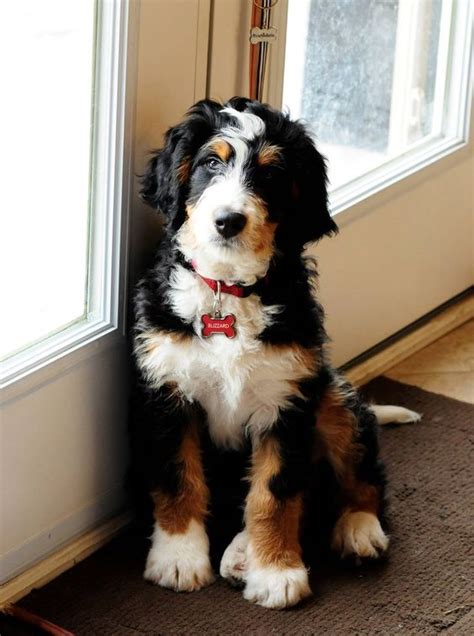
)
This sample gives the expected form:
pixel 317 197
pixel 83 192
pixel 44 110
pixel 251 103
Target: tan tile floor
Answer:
pixel 445 366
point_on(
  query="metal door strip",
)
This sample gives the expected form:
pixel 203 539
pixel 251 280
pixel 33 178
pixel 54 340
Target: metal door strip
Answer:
pixel 262 34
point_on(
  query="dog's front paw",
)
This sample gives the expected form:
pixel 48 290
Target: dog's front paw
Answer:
pixel 180 561
pixel 179 573
pixel 276 588
pixel 359 534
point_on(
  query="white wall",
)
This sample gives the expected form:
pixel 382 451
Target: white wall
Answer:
pixel 63 456
pixel 398 256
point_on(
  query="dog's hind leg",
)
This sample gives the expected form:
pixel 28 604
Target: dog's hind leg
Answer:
pixel 347 433
pixel 166 446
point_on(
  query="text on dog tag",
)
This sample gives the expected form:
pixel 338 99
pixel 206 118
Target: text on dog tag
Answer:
pixel 213 326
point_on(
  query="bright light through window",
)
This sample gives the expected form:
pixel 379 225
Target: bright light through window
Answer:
pixel 47 48
pixel 368 75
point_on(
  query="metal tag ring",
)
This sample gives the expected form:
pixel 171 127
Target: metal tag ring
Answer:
pixel 261 6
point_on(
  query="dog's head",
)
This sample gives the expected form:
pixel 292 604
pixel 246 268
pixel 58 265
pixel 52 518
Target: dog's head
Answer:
pixel 238 183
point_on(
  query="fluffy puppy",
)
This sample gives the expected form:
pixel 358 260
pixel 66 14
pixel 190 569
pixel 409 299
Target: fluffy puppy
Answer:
pixel 230 346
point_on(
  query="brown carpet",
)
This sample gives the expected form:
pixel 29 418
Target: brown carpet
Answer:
pixel 425 587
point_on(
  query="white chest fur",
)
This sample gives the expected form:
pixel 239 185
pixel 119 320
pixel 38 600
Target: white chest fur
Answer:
pixel 241 383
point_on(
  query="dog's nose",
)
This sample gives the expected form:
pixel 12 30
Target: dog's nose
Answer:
pixel 229 223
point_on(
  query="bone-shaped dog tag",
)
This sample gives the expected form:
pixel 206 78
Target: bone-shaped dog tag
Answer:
pixel 212 325
pixel 258 35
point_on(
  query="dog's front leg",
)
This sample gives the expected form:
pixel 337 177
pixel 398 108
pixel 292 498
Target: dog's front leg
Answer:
pixel 275 575
pixel 169 440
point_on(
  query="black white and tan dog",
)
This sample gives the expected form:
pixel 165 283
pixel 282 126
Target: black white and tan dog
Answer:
pixel 230 347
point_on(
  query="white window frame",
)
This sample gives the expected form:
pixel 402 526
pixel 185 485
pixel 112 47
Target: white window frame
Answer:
pixel 408 61
pixel 454 80
pixel 104 326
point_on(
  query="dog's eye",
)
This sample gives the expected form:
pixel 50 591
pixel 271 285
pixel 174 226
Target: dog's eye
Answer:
pixel 270 173
pixel 212 164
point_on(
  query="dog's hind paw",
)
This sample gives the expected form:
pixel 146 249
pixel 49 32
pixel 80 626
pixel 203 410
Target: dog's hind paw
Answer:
pixel 234 560
pixel 359 534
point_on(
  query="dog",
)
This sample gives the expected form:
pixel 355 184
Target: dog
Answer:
pixel 230 346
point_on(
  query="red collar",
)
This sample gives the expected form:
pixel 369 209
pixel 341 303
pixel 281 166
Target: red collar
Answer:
pixel 241 291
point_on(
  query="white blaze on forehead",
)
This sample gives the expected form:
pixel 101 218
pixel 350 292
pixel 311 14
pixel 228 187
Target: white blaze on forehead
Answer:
pixel 248 126
pixel 229 189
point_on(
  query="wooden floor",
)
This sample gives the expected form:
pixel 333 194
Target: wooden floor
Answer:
pixel 446 366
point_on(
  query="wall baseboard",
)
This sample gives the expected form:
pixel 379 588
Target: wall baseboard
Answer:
pixel 409 343
pixel 80 548
pixel 36 548
pixel 62 559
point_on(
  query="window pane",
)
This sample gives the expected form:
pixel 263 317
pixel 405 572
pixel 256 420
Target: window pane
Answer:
pixel 367 75
pixel 47 50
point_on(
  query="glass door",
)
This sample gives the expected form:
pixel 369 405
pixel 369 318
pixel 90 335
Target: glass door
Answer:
pixel 66 137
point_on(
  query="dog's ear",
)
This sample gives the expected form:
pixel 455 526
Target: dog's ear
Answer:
pixel 165 184
pixel 312 220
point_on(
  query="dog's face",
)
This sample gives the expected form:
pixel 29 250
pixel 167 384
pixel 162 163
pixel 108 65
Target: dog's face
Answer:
pixel 237 184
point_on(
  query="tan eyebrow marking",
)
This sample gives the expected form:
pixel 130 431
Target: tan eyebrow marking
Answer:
pixel 222 149
pixel 268 154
